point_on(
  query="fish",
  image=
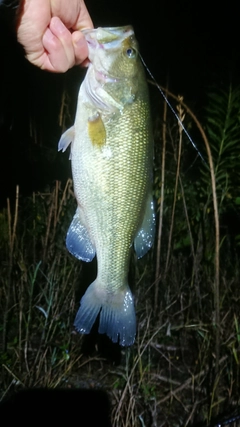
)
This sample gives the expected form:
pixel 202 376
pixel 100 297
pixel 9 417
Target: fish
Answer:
pixel 112 163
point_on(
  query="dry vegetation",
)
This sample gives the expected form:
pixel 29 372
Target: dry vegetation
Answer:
pixel 183 369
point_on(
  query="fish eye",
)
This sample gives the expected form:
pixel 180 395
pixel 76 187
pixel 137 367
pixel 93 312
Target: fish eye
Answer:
pixel 131 53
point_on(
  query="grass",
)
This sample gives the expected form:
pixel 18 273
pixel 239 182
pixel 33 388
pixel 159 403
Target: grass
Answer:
pixel 183 369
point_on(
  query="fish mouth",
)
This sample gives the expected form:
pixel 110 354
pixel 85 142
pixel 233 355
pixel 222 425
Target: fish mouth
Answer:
pixel 108 32
pixel 107 37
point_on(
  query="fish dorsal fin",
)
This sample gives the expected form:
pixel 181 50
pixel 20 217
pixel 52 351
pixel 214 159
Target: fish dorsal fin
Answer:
pixel 66 139
pixel 146 233
pixel 78 241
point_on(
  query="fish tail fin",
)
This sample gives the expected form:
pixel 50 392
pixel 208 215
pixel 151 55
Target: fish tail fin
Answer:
pixel 117 314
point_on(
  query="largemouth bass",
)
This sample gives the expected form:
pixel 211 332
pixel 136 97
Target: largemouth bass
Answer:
pixel 111 155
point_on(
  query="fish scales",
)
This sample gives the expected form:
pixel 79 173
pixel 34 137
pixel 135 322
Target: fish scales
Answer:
pixel 111 155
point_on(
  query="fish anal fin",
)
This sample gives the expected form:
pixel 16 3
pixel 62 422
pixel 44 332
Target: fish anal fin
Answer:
pixel 146 233
pixel 78 241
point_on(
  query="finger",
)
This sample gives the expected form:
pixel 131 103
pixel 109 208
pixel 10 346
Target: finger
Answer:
pixel 57 41
pixel 84 21
pixel 64 36
pixel 80 47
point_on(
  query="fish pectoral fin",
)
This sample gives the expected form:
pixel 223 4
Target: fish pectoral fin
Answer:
pixel 78 241
pixel 146 233
pixel 66 139
pixel 117 314
pixel 96 130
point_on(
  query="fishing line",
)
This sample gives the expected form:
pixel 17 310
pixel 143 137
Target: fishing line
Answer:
pixel 172 109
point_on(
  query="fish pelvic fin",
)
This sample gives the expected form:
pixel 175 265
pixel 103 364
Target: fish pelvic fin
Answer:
pixel 117 313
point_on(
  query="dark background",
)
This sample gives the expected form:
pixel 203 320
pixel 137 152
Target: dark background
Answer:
pixel 192 45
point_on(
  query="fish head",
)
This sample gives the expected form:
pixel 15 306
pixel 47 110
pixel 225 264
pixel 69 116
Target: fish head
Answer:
pixel 113 52
pixel 115 70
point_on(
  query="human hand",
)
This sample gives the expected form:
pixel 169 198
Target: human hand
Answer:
pixel 50 32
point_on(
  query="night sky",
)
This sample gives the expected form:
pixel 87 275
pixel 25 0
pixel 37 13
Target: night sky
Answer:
pixel 192 44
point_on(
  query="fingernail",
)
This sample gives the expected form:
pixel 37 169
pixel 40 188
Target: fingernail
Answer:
pixel 58 24
pixel 48 35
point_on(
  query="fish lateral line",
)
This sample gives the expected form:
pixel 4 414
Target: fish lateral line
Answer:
pixel 172 109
